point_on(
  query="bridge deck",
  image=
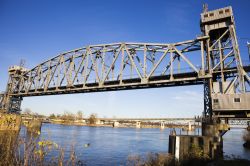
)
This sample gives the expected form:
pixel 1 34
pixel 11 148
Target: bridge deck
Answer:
pixel 180 79
pixel 134 83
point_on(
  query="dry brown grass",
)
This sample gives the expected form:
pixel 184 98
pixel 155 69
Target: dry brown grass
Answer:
pixel 151 159
pixel 32 151
pixel 155 159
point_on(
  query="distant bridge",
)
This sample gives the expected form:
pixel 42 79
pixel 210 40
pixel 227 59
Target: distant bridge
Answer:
pixel 233 122
pixel 144 119
pixel 239 123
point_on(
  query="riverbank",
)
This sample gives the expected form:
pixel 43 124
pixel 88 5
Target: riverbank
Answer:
pixel 154 159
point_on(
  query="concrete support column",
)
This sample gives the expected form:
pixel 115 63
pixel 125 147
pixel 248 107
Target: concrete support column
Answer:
pixel 189 126
pixel 116 124
pixel 210 142
pixel 215 131
pixel 162 125
pixel 138 124
pixel 181 146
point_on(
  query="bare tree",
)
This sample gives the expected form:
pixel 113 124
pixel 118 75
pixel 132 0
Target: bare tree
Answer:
pixel 52 116
pixel 68 117
pixel 79 115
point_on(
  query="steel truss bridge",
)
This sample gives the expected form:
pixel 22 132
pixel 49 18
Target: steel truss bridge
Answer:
pixel 239 123
pixel 212 59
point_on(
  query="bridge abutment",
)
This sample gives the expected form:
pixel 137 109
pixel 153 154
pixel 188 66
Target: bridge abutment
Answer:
pixel 209 145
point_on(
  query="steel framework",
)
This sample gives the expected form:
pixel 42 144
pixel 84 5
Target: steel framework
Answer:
pixel 113 67
pixel 213 59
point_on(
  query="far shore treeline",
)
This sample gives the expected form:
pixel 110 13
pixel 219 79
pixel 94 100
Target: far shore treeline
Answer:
pixel 64 117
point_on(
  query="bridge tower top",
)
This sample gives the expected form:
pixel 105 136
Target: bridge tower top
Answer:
pixel 17 70
pixel 216 19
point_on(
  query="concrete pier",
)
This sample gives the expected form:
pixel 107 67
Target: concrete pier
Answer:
pixel 116 124
pixel 162 125
pixel 189 126
pixel 138 124
pixel 214 130
pixel 209 145
pixel 181 146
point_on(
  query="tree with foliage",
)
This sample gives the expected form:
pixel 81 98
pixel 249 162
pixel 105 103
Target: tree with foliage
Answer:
pixel 52 116
pixel 92 119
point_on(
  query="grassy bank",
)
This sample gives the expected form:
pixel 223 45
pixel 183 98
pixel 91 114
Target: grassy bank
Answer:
pixel 32 150
pixel 156 159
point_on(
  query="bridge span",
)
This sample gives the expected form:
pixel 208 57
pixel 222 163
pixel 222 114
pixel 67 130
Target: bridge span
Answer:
pixel 212 59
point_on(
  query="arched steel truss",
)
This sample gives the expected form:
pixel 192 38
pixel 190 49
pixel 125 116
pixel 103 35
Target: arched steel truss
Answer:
pixel 118 65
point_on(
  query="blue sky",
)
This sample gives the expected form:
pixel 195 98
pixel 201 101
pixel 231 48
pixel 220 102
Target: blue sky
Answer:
pixel 38 30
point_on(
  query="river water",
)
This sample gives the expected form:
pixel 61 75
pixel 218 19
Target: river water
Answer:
pixel 112 146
